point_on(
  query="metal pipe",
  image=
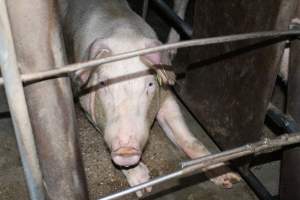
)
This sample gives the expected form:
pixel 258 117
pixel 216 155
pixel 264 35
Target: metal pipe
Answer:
pixel 212 161
pixel 244 150
pixel 155 181
pixel 254 183
pixel 62 70
pixel 183 28
pixel 289 183
pixel 286 122
pixel 18 108
pixel 145 8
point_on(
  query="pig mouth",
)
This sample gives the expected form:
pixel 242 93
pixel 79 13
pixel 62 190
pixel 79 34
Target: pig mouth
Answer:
pixel 126 156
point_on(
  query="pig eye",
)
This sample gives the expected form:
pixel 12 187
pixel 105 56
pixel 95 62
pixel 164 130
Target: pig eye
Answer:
pixel 102 83
pixel 151 87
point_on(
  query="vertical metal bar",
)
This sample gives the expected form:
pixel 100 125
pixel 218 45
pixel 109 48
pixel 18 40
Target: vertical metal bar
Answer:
pixel 254 183
pixel 178 24
pixel 289 171
pixel 18 108
pixel 145 8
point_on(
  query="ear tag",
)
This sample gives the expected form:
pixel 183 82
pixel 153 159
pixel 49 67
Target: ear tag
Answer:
pixel 159 80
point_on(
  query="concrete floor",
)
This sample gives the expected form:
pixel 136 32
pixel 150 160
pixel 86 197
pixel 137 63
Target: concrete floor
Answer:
pixel 12 184
pixel 96 159
pixel 160 156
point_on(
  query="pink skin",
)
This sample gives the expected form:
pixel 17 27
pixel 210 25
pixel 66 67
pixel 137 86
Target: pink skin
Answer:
pixel 126 131
pixel 122 136
pixel 126 156
pixel 172 122
pixel 125 139
pixel 125 151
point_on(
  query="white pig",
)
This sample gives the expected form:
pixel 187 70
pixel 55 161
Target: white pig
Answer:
pixel 124 98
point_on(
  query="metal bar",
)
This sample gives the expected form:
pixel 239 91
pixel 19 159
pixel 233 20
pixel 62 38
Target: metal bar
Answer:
pixel 244 150
pixel 254 183
pixel 261 192
pixel 286 122
pixel 212 161
pixel 289 183
pixel 62 70
pixel 183 28
pixel 145 8
pixel 18 108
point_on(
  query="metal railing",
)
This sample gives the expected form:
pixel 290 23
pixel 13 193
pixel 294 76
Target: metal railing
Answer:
pixel 12 82
pixel 212 161
pixel 18 109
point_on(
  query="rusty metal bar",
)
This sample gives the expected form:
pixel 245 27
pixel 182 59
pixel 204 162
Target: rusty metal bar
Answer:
pixel 18 108
pixel 62 70
pixel 212 161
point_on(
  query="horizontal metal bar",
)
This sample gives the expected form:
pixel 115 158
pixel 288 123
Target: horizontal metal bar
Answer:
pixel 244 150
pixel 213 161
pixel 62 70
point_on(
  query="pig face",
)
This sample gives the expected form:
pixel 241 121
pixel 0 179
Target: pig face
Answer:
pixel 126 93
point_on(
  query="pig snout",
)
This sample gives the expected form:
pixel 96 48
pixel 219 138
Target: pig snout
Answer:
pixel 126 156
pixel 126 142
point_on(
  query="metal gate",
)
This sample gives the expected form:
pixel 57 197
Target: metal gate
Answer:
pixel 13 82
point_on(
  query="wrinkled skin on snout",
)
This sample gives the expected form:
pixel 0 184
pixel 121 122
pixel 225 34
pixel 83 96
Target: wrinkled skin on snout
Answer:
pixel 121 99
pixel 126 104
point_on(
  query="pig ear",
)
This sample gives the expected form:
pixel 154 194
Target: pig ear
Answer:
pixel 153 58
pixel 157 61
pixel 96 50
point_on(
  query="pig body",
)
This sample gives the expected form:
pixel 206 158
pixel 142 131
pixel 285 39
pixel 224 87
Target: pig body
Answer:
pixel 88 20
pixel 123 98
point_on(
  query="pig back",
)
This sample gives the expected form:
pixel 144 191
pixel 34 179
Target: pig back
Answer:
pixel 84 21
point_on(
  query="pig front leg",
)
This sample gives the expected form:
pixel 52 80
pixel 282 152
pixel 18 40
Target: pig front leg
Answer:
pixel 137 175
pixel 172 122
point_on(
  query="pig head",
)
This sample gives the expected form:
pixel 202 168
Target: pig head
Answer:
pixel 121 98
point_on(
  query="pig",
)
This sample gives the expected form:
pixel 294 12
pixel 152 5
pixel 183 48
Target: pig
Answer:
pixel 122 99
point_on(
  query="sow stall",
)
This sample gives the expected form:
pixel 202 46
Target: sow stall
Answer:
pixel 226 82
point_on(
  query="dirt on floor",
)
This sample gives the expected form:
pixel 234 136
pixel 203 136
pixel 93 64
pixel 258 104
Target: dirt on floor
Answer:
pixel 103 178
